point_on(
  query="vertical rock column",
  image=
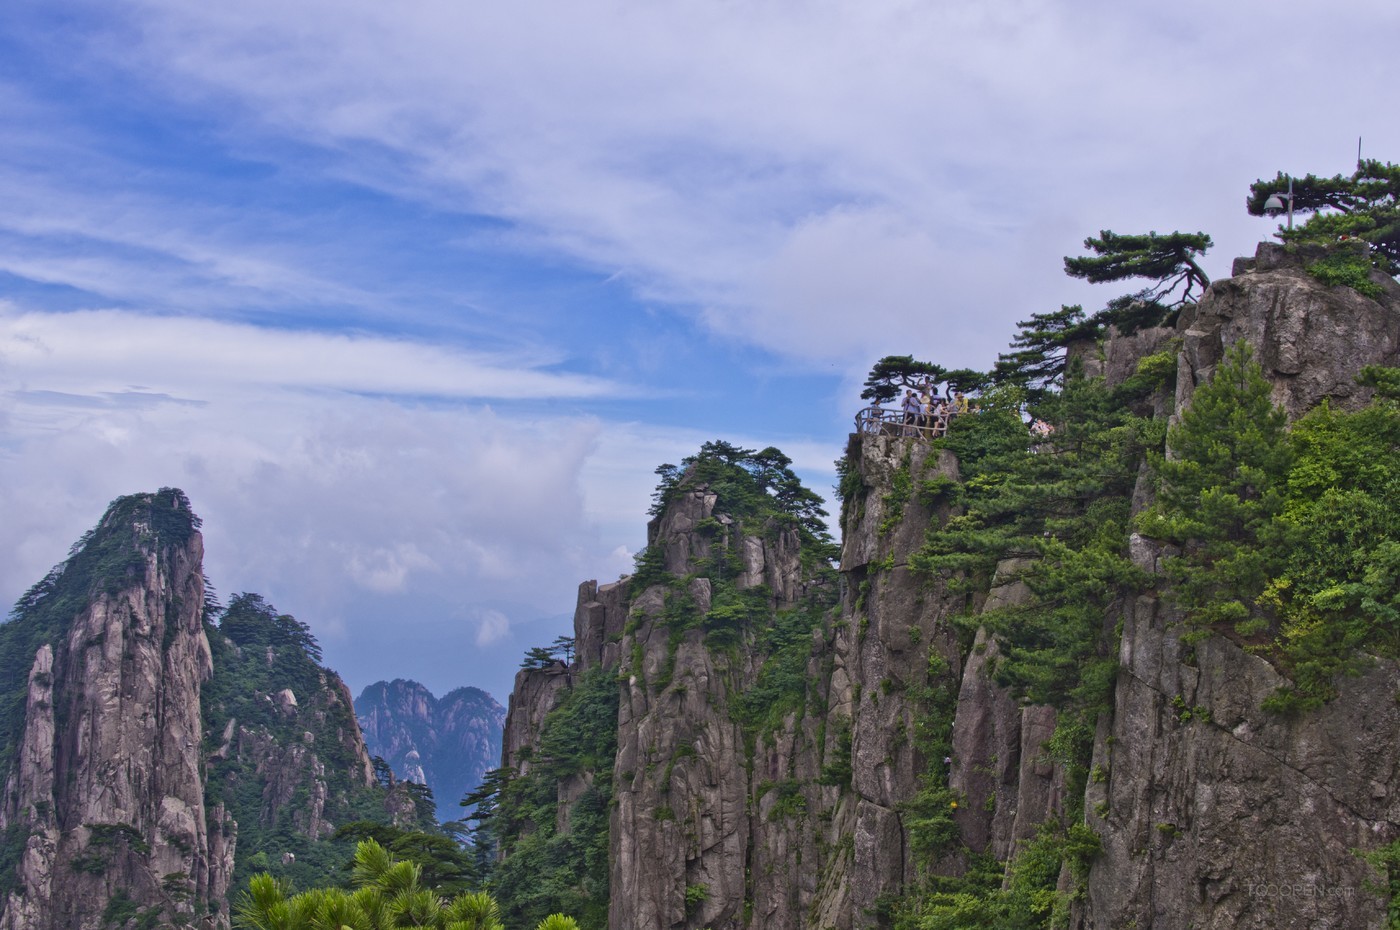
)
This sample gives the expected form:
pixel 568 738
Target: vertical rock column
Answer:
pixel 895 623
pixel 109 782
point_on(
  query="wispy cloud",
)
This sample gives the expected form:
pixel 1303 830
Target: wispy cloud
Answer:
pixel 348 509
pixel 198 357
pixel 779 171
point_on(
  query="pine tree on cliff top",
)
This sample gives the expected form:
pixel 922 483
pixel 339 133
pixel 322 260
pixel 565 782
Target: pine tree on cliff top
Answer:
pixel 1364 205
pixel 895 373
pixel 1169 260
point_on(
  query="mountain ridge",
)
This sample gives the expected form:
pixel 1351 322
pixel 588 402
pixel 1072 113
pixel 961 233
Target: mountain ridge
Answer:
pixel 447 743
pixel 954 751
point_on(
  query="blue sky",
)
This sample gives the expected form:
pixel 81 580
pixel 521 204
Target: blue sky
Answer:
pixel 412 298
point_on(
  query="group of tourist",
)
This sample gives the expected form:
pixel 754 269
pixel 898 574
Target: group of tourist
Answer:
pixel 928 414
pixel 922 412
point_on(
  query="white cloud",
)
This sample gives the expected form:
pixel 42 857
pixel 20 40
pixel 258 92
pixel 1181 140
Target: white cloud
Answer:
pixel 311 495
pixel 492 626
pixel 109 351
pixel 385 569
pixel 792 168
pixel 829 181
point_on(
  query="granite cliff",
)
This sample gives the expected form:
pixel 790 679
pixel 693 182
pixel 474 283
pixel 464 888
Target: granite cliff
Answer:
pixel 150 757
pixel 106 792
pixel 793 748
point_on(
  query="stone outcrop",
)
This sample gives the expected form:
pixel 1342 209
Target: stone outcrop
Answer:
pixel 1218 814
pixel 109 785
pixel 1311 339
pixel 895 625
pixel 539 691
pixel 1213 812
pixel 118 805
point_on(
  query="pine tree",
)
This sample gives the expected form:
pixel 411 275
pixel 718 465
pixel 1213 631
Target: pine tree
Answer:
pixel 1220 491
pixel 388 894
pixel 1364 205
pixel 1169 260
pixel 1039 359
pixel 895 372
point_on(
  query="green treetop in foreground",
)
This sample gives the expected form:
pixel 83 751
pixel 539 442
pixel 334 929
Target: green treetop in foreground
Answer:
pixel 387 895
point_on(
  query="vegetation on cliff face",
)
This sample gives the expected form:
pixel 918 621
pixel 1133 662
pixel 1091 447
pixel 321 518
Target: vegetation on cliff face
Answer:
pixel 1062 508
pixel 258 654
pixel 754 487
pixel 545 867
pixel 1287 536
pixel 759 492
pixel 1219 495
pixel 542 869
pixel 1284 538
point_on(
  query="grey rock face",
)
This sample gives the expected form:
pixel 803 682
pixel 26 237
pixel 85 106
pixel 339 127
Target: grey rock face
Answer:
pixel 699 814
pixel 113 798
pixel 1221 815
pixel 1311 339
pixel 121 800
pixel 1214 813
pixel 536 693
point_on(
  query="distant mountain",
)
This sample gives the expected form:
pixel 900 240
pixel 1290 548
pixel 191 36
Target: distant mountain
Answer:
pixel 447 743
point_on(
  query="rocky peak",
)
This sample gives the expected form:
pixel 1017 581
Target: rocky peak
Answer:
pixel 447 743
pixel 1311 339
pixel 142 747
pixel 110 802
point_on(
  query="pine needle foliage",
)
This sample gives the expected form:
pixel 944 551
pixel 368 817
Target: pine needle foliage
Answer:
pixel 1337 591
pixel 1287 537
pixel 1364 205
pixel 1168 259
pixel 895 372
pixel 1219 493
pixel 1062 507
pixel 388 895
pixel 753 487
pixel 1038 360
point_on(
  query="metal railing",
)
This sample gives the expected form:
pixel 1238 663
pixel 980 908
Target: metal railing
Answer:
pixel 877 421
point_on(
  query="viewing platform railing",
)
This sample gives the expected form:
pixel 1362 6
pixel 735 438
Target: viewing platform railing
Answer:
pixel 877 421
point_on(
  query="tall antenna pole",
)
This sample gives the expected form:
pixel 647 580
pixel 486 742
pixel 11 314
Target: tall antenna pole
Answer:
pixel 1358 153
